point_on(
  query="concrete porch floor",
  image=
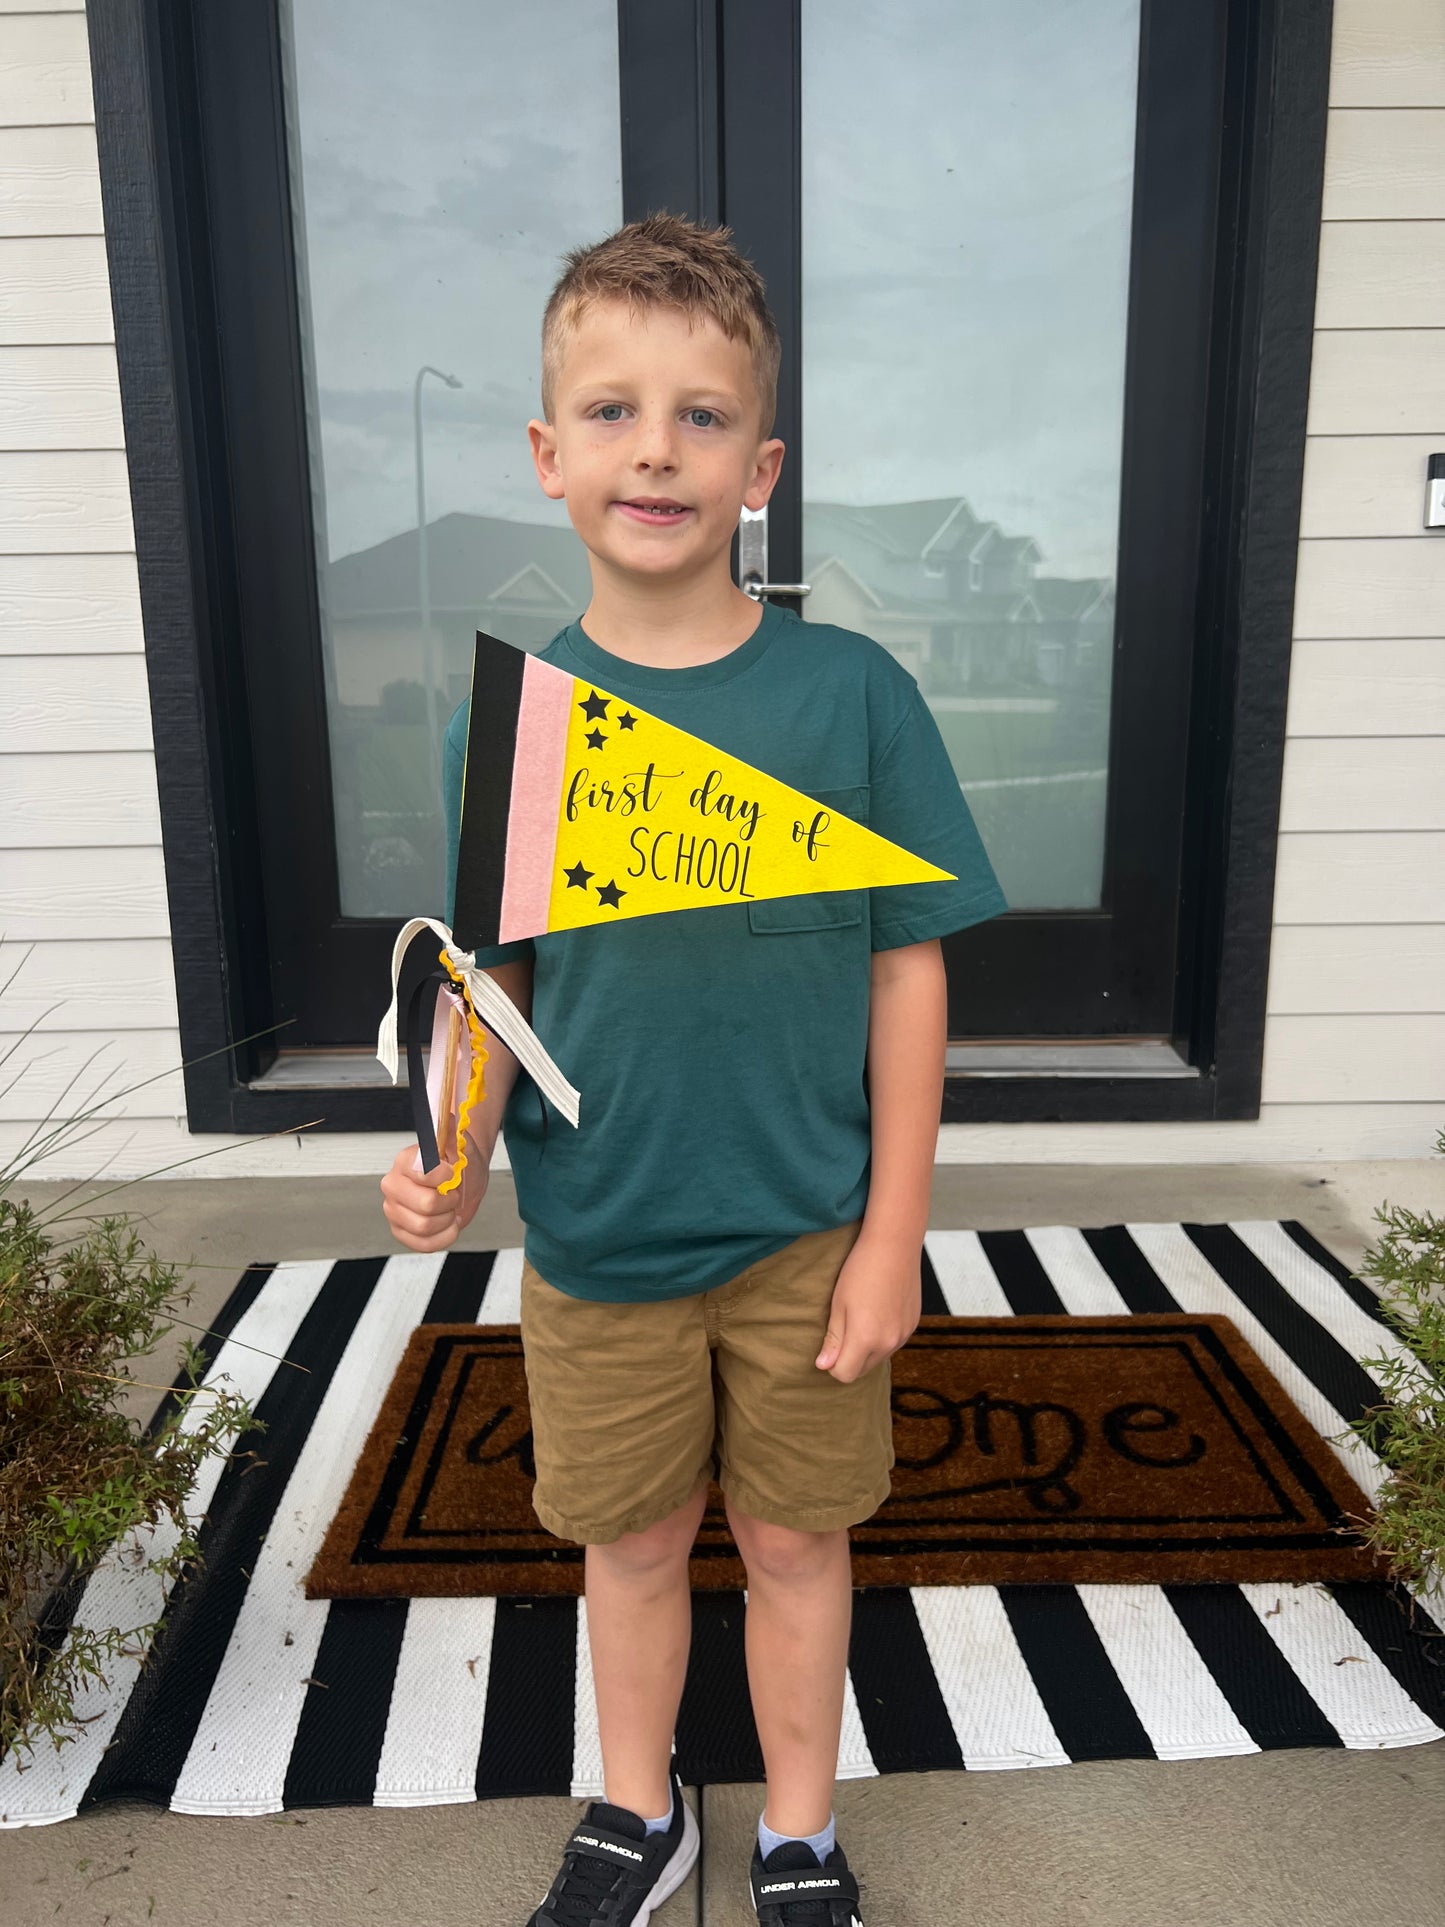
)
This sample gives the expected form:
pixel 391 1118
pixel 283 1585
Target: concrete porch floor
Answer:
pixel 1318 1836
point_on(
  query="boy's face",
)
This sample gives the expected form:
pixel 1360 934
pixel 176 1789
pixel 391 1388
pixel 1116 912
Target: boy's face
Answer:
pixel 654 442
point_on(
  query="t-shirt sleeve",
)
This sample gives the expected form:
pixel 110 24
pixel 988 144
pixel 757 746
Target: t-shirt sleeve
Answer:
pixel 453 764
pixel 915 801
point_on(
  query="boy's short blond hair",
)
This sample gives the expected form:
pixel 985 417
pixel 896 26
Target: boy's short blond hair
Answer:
pixel 668 261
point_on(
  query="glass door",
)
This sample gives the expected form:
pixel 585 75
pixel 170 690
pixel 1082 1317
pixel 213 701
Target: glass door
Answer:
pixel 988 237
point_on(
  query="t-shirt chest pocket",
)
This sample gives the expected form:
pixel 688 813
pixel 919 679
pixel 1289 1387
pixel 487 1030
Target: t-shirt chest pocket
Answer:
pixel 822 910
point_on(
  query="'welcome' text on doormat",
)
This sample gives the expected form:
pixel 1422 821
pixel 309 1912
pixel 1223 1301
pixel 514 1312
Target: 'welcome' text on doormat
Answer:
pixel 1142 1449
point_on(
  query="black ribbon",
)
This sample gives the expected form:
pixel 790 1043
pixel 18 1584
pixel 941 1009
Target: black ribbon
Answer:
pixel 419 1024
pixel 421 1012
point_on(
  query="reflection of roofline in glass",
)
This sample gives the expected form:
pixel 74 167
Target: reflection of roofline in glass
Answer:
pixel 944 526
pixel 477 561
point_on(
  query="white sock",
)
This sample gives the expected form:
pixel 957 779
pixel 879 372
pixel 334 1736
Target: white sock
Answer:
pixel 660 1826
pixel 822 1843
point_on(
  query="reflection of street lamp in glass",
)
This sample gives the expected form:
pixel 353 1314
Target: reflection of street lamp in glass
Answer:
pixel 423 585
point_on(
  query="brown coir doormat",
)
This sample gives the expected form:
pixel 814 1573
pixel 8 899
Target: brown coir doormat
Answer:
pixel 1147 1448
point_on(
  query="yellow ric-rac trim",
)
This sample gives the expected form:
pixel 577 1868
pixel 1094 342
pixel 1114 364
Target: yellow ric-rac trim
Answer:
pixel 476 1080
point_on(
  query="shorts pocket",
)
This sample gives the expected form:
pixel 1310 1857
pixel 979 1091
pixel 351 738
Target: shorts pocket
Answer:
pixel 820 910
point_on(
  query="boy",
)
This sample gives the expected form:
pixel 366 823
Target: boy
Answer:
pixel 726 1254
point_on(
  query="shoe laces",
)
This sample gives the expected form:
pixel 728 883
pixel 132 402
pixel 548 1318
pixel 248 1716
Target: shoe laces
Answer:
pixel 590 1882
pixel 585 1891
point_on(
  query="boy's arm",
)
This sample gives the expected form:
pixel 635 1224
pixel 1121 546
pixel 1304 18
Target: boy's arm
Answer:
pixel 421 1216
pixel 878 1296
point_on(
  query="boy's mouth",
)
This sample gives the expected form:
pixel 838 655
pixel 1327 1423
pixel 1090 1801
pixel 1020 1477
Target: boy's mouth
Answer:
pixel 656 509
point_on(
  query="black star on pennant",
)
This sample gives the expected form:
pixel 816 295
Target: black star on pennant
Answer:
pixel 578 877
pixel 596 738
pixel 595 707
pixel 626 719
pixel 610 894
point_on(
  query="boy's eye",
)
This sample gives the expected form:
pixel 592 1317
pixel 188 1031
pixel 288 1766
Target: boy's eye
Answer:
pixel 610 411
pixel 702 417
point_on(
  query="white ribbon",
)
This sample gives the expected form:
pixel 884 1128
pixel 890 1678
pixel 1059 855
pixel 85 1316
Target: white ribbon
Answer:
pixel 493 1005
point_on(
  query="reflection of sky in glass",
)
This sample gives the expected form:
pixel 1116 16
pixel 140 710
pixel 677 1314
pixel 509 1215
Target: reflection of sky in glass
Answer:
pixel 448 154
pixel 967 179
pixel 967 185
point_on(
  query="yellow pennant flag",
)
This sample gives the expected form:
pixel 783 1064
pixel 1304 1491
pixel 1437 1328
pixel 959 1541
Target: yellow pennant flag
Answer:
pixel 580 807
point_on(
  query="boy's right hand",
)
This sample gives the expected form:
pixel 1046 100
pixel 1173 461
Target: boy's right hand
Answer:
pixel 422 1218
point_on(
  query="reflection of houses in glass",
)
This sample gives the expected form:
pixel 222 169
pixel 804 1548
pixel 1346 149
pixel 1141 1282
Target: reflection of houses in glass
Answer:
pixel 1017 666
pixel 520 580
pixel 960 603
pixel 957 601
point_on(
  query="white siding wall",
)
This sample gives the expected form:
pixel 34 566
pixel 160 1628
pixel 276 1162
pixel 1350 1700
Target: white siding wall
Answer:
pixel 1356 1007
pixel 82 900
pixel 1355 1039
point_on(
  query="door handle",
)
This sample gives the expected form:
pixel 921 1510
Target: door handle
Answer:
pixel 753 559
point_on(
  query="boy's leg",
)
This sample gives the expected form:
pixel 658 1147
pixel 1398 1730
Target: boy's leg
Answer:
pixel 800 1603
pixel 803 1456
pixel 639 1627
pixel 622 1429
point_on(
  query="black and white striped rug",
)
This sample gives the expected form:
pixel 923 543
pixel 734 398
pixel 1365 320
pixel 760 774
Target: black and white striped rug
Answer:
pixel 256 1699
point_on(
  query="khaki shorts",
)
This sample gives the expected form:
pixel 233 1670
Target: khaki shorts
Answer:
pixel 635 1407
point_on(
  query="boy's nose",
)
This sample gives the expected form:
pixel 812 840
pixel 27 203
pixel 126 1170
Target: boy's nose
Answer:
pixel 654 446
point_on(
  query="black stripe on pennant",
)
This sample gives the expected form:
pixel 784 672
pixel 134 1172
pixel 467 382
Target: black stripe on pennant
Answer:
pixel 337 1750
pixel 1083 1696
pixel 1317 1352
pixel 527 1727
pixel 904 1717
pixel 716 1737
pixel 460 1287
pixel 934 1301
pixel 487 791
pixel 1130 1272
pixel 1268 1697
pixel 1413 1653
pixel 158 1726
pixel 1026 1285
pixel 1308 1243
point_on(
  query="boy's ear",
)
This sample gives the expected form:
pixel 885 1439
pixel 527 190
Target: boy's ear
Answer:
pixel 765 474
pixel 543 437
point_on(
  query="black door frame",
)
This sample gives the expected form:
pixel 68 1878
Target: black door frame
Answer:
pixel 169 287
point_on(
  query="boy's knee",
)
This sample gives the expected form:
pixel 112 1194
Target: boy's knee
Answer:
pixel 657 1549
pixel 784 1554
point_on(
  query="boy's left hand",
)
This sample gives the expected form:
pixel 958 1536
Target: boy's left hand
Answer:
pixel 877 1303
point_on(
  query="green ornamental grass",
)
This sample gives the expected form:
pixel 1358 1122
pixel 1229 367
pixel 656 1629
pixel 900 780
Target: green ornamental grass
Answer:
pixel 78 1475
pixel 1407 1264
pixel 80 1300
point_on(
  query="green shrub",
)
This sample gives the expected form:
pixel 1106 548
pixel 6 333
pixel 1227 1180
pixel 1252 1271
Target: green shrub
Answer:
pixel 76 1474
pixel 80 1298
pixel 1408 1527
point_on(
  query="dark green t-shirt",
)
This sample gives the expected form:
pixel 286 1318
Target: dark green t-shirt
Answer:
pixel 720 1052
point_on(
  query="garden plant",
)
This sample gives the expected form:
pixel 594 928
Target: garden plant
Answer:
pixel 81 1300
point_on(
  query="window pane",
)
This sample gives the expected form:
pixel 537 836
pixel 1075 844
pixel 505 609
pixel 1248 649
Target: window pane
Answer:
pixel 436 182
pixel 967 182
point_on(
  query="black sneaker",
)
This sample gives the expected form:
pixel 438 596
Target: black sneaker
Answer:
pixel 791 1889
pixel 613 1872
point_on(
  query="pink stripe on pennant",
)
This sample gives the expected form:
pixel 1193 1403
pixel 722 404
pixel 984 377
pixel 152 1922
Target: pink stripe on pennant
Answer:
pixel 537 770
